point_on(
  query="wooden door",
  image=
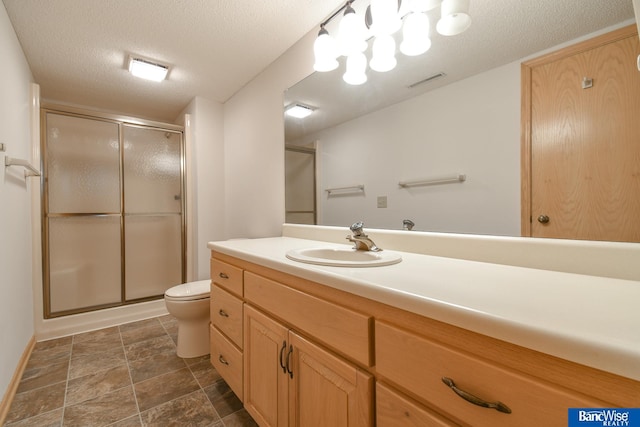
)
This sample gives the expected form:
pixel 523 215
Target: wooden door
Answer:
pixel 584 141
pixel 327 391
pixel 265 379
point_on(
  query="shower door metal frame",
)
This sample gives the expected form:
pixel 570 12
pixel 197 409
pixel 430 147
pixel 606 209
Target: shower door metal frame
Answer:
pixel 312 153
pixel 119 120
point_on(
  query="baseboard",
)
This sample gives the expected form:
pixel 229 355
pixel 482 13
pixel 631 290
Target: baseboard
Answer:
pixel 47 329
pixel 15 380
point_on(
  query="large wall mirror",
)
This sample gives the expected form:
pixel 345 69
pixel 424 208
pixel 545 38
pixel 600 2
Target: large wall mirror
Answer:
pixel 451 112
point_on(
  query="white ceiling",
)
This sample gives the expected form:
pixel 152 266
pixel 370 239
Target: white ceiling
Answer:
pixel 77 49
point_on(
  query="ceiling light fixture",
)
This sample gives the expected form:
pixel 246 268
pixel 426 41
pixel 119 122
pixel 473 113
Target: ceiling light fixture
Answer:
pixel 148 70
pixel 298 110
pixel 382 19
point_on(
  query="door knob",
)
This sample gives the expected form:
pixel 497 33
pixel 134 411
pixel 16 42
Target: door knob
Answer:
pixel 543 219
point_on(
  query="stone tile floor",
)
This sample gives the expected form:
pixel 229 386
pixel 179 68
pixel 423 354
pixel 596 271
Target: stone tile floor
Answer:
pixel 127 375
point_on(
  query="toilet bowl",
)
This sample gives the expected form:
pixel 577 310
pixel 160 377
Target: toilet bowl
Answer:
pixel 189 304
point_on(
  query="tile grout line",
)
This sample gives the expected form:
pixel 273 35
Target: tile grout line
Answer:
pixel 66 384
pixel 196 378
pixel 133 389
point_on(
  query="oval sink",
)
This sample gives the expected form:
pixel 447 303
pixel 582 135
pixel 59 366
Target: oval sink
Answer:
pixel 343 257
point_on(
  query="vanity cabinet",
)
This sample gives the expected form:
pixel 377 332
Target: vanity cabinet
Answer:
pixel 477 392
pixel 396 410
pixel 266 379
pixel 288 379
pixel 316 355
pixel 226 329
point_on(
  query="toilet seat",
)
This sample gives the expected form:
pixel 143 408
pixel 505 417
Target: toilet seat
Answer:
pixel 189 291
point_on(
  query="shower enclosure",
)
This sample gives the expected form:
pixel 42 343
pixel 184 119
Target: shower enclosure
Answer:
pixel 113 222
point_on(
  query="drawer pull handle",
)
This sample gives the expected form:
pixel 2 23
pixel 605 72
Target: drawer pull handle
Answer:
pixel 284 347
pixel 289 361
pixel 498 406
pixel 223 275
pixel 222 360
pixel 223 313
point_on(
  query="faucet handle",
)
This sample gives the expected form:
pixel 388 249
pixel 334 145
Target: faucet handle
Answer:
pixel 356 228
pixel 407 224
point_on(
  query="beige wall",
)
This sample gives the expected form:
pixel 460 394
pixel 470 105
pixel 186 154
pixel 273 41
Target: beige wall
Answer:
pixel 205 164
pixel 16 304
pixel 254 146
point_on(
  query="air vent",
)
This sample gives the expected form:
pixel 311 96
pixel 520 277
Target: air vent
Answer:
pixel 428 79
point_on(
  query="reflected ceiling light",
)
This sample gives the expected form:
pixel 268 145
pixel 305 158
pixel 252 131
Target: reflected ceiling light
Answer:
pixel 384 51
pixel 415 34
pixel 423 5
pixel 148 70
pixel 455 17
pixel 383 18
pixel 298 110
pixel 356 66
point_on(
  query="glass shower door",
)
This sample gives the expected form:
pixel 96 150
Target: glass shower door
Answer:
pixel 152 211
pixel 83 213
pixel 113 212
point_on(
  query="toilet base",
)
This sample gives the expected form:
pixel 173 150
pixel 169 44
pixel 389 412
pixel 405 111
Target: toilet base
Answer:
pixel 193 339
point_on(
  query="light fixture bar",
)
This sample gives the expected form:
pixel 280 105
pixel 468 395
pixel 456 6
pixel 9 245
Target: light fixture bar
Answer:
pixel 347 4
pixel 148 70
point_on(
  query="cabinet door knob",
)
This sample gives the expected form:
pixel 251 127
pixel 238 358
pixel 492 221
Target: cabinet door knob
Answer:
pixel 543 219
pixel 223 275
pixel 498 406
pixel 222 360
pixel 223 313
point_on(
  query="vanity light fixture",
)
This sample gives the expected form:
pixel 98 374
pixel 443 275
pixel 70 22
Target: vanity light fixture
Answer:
pixel 455 17
pixel 382 19
pixel 298 110
pixel 148 70
pixel 325 51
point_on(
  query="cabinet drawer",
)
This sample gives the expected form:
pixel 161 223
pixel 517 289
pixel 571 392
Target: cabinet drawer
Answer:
pixel 395 410
pixel 345 330
pixel 227 360
pixel 418 365
pixel 226 314
pixel 227 276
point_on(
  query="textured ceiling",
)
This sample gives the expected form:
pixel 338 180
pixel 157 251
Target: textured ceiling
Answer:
pixel 77 49
pixel 502 31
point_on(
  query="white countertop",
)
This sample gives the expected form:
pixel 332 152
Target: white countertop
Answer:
pixel 594 321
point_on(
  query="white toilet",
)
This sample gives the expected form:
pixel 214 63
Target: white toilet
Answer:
pixel 189 304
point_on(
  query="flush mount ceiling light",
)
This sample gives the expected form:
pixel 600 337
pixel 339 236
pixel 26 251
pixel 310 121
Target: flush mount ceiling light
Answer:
pixel 382 19
pixel 298 110
pixel 146 69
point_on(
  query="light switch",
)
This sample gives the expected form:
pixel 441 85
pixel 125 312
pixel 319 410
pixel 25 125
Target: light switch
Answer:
pixel 382 201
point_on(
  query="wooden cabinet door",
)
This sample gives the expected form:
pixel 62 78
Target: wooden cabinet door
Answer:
pixel 266 395
pixel 325 390
pixel 585 142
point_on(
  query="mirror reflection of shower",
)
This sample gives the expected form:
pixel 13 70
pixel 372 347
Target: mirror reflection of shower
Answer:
pixel 300 185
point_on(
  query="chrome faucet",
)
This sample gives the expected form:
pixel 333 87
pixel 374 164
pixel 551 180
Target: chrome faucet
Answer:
pixel 407 224
pixel 361 240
